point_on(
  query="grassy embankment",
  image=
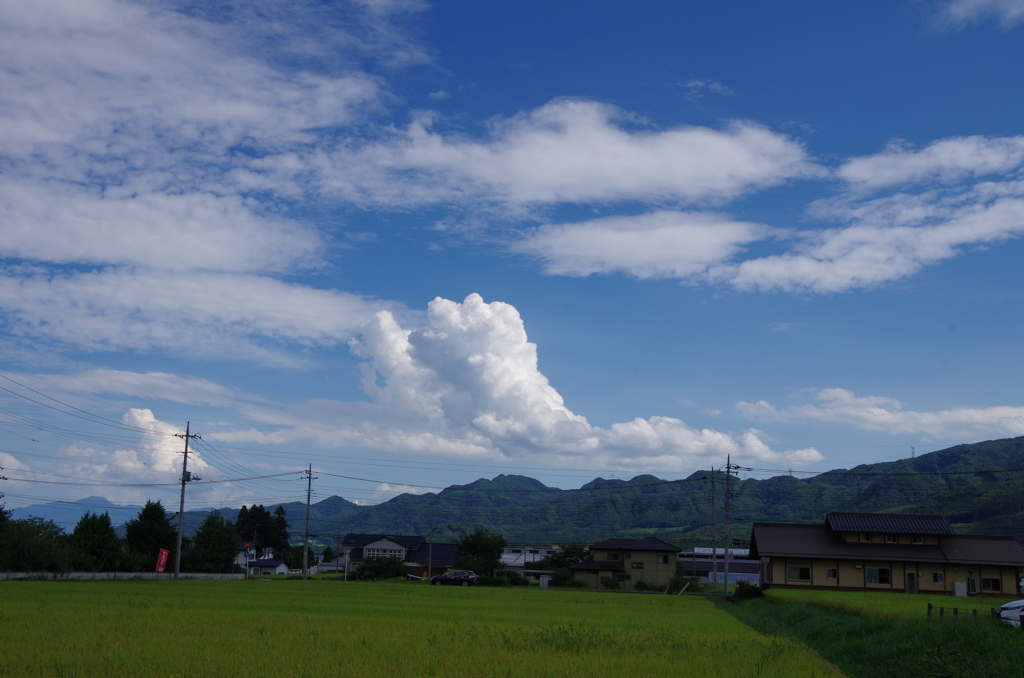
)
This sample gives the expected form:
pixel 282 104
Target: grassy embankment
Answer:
pixel 883 635
pixel 261 628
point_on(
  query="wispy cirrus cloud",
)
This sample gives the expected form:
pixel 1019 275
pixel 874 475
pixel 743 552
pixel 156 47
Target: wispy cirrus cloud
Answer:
pixel 959 13
pixel 567 151
pixel 661 244
pixel 878 413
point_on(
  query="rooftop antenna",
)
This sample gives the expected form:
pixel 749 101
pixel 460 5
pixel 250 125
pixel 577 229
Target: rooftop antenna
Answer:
pixel 912 452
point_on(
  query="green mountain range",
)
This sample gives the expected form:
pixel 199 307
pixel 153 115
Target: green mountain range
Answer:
pixel 979 487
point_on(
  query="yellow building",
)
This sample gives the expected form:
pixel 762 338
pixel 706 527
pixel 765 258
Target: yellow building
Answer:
pixel 885 552
pixel 629 561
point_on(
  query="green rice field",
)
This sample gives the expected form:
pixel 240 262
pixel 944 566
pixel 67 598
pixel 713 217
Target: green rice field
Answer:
pixel 323 628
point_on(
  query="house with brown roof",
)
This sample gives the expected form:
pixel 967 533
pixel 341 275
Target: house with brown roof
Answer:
pixel 628 561
pixel 885 552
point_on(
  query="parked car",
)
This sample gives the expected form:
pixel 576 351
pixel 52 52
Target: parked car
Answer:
pixel 455 577
pixel 1010 614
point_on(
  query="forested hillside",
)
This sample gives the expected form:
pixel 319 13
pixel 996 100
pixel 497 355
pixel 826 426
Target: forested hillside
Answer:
pixel 980 487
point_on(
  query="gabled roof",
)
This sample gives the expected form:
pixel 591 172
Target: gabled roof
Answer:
pixel 888 522
pixel 787 540
pixel 645 544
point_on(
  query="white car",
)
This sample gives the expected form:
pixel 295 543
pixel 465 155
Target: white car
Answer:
pixel 1010 614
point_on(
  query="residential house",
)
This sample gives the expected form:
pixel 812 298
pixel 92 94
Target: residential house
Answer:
pixel 885 552
pixel 266 566
pixel 628 561
pixel 423 558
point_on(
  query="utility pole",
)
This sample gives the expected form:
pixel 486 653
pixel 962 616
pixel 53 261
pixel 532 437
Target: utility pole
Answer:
pixel 185 477
pixel 430 552
pixel 714 535
pixel 728 509
pixel 305 543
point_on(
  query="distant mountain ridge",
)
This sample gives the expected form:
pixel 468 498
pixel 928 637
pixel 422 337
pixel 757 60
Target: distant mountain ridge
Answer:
pixel 527 511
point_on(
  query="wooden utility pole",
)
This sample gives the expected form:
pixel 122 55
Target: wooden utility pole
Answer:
pixel 185 478
pixel 305 542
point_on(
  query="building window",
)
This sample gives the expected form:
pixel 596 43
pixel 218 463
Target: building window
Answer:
pixel 663 560
pixel 864 536
pixel 798 573
pixel 629 555
pixel 622 577
pixel 892 539
pixel 991 584
pixel 917 539
pixel 972 585
pixel 637 565
pixel 613 556
pixel 533 550
pixel 384 553
pixel 550 552
pixel 517 550
pixel 831 573
pixel 938 578
pixel 878 575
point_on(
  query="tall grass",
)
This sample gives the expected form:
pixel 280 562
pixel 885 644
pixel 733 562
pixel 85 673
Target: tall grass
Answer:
pixel 285 628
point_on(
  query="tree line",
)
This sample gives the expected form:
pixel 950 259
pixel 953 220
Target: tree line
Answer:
pixel 38 545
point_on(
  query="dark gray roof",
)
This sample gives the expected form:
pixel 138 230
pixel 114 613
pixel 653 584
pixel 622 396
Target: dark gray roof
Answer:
pixel 645 544
pixel 786 540
pixel 601 565
pixel 266 563
pixel 440 554
pixel 888 522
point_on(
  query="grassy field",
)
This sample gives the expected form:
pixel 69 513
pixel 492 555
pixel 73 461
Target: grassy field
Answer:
pixel 322 628
pixel 886 604
pixel 886 635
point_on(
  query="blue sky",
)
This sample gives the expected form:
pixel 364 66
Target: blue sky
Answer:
pixel 423 243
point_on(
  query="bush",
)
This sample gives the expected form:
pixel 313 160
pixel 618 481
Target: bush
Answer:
pixel 493 581
pixel 563 578
pixel 644 586
pixel 376 568
pixel 610 583
pixel 516 578
pixel 747 590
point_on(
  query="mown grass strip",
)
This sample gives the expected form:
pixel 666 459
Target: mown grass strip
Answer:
pixel 887 604
pixel 879 646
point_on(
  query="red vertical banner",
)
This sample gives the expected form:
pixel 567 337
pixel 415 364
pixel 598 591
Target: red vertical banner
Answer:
pixel 161 561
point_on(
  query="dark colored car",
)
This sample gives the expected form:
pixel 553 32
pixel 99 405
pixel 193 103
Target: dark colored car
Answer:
pixel 455 577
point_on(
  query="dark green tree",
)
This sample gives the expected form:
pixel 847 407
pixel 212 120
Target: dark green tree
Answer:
pixel 214 546
pixel 480 551
pixel 33 545
pixel 327 555
pixel 146 534
pixel 376 568
pixel 269 532
pixel 570 555
pixel 94 544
